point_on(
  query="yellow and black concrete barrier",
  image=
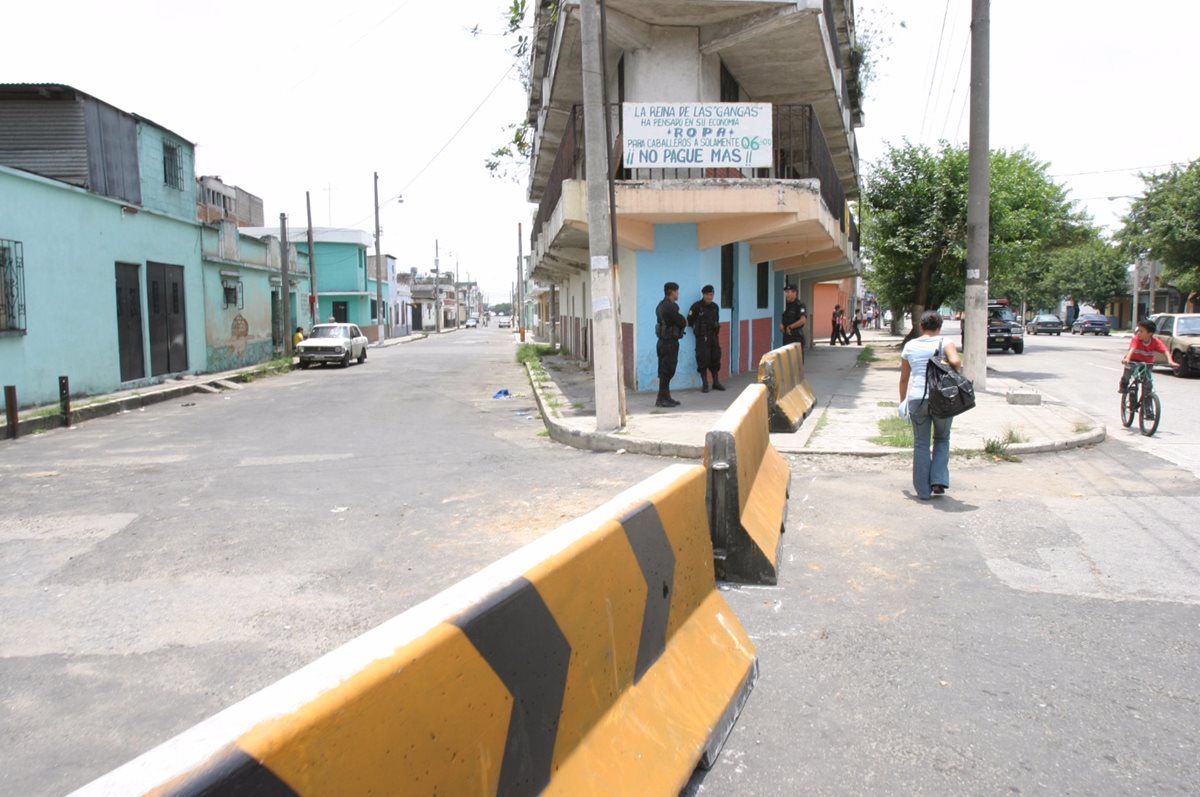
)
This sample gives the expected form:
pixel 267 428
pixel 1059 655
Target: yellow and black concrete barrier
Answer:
pixel 598 660
pixel 748 483
pixel 789 397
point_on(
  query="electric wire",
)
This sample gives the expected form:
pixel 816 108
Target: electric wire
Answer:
pixel 933 74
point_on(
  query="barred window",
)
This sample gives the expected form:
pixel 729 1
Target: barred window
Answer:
pixel 12 286
pixel 172 166
pixel 232 288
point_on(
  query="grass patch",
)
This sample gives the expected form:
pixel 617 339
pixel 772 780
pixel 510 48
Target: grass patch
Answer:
pixel 894 432
pixel 1082 426
pixel 886 404
pixel 998 450
pixel 41 412
pixel 866 356
pixel 822 422
pixel 578 405
pixel 544 433
pixel 1014 436
pixel 530 353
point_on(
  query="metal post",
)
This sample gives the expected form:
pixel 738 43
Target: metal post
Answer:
pixel 313 303
pixel 10 410
pixel 609 404
pixel 380 324
pixel 978 188
pixel 520 284
pixel 64 399
pixel 285 287
pixel 437 291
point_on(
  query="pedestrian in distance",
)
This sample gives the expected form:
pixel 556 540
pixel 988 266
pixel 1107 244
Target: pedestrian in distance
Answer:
pixel 837 332
pixel 297 337
pixel 1142 349
pixel 858 322
pixel 704 317
pixel 930 468
pixel 669 329
pixel 795 317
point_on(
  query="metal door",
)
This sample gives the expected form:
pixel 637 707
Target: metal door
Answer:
pixel 168 318
pixel 130 347
pixel 341 312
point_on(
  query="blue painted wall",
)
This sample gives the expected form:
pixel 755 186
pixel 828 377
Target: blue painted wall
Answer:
pixel 156 193
pixel 72 241
pixel 342 269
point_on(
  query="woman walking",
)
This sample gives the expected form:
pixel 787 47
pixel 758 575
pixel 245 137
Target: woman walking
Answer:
pixel 930 471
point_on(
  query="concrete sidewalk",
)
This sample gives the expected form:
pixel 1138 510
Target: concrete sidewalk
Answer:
pixel 851 400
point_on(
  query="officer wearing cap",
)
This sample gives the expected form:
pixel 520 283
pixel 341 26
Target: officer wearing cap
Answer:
pixel 795 317
pixel 704 317
pixel 669 330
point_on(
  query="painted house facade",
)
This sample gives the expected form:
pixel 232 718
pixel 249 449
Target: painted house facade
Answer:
pixel 743 229
pixel 94 197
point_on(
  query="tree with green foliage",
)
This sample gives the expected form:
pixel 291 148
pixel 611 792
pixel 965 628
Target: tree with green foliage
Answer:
pixel 1092 272
pixel 1164 224
pixel 915 225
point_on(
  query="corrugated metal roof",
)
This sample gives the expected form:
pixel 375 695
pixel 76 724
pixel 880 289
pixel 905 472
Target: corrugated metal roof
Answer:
pixel 13 90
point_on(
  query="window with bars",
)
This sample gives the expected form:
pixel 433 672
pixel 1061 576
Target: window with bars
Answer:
pixel 172 165
pixel 12 286
pixel 232 289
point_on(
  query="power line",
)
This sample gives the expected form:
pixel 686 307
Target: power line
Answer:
pixel 1112 171
pixel 954 90
pixel 933 75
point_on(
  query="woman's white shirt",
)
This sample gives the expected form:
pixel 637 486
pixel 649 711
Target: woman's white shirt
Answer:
pixel 919 351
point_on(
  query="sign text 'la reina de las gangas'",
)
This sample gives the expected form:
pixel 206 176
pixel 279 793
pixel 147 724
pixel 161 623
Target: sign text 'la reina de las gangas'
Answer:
pixel 680 135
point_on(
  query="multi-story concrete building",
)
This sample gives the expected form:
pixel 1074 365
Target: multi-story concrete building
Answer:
pixel 734 158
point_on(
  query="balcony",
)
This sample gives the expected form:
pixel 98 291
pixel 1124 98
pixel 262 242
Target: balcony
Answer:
pixel 793 213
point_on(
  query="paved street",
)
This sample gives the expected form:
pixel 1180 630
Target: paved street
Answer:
pixel 160 565
pixel 1035 631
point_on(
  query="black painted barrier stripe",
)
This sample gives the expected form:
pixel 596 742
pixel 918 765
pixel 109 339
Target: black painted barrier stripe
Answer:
pixel 515 633
pixel 233 774
pixel 650 544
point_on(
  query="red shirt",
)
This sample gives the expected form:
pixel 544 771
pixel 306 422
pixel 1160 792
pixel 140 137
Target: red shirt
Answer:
pixel 1144 352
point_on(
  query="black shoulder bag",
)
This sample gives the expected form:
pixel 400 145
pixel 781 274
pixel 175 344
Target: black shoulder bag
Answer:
pixel 950 393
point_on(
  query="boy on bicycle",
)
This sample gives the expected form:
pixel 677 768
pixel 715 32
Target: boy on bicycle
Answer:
pixel 1141 350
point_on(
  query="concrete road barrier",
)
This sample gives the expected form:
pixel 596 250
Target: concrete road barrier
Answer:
pixel 598 660
pixel 789 397
pixel 748 484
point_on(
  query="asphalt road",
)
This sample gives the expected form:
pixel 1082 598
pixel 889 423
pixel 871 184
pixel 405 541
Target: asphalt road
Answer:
pixel 158 566
pixel 1083 370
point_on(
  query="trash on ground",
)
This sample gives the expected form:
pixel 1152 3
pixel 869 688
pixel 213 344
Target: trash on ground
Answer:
pixel 502 394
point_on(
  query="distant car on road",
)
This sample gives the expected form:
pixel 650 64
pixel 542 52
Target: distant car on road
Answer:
pixel 503 321
pixel 1045 323
pixel 471 323
pixel 333 343
pixel 1091 322
pixel 1181 334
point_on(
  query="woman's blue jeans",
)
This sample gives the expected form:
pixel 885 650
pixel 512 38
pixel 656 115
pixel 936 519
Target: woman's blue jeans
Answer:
pixel 927 469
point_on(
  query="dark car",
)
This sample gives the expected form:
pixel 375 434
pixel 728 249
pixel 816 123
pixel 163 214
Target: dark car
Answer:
pixel 1045 324
pixel 1091 322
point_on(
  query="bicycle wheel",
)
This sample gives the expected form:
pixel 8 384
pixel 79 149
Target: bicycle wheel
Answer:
pixel 1149 413
pixel 1129 405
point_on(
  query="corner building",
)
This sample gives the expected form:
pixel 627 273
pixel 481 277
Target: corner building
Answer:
pixel 745 229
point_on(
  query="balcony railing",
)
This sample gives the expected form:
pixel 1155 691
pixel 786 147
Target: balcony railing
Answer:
pixel 800 153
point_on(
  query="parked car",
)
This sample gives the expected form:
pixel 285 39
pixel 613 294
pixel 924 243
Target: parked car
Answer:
pixel 1004 330
pixel 471 323
pixel 1091 322
pixel 1181 334
pixel 333 343
pixel 503 321
pixel 1045 323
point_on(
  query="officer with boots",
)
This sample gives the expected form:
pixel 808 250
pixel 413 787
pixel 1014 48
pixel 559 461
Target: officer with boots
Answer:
pixel 704 318
pixel 795 317
pixel 669 330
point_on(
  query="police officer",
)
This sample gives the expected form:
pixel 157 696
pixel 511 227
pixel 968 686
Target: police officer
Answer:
pixel 704 318
pixel 669 330
pixel 795 317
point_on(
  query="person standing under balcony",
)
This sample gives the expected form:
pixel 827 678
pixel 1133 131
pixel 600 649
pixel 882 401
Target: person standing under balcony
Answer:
pixel 704 318
pixel 669 330
pixel 795 317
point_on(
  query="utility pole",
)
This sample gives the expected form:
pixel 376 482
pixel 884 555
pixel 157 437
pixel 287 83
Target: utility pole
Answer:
pixel 437 291
pixel 285 279
pixel 379 308
pixel 520 286
pixel 313 304
pixel 610 414
pixel 978 190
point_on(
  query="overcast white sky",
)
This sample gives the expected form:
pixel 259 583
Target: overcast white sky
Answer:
pixel 281 98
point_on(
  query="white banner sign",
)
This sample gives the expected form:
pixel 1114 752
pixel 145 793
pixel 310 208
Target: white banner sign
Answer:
pixel 682 135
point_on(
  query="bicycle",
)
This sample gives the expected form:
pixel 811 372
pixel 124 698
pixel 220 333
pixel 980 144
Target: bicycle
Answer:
pixel 1140 399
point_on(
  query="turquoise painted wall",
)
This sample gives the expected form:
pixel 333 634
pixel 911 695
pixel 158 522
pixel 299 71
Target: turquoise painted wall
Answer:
pixel 156 193
pixel 72 241
pixel 342 269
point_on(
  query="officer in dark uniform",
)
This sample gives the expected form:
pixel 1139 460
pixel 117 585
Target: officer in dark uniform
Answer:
pixel 704 318
pixel 669 329
pixel 795 317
